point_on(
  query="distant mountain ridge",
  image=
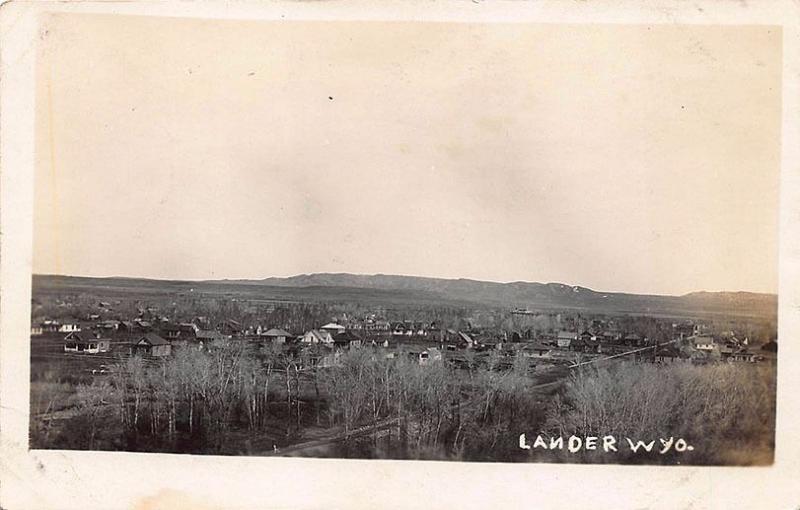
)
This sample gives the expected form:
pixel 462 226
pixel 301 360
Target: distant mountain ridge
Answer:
pixel 513 294
pixel 533 293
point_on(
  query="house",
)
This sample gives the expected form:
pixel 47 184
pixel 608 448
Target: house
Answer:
pixel 398 329
pixel 188 330
pixel 435 331
pixel 346 339
pixel 183 331
pixel 377 325
pixel 110 325
pixel 610 337
pixel 466 341
pixel 142 325
pixel 151 345
pixel 683 329
pixel 704 343
pixel 83 341
pixel 229 327
pixel 632 339
pixel 430 356
pixel 591 345
pixel 276 336
pixel 382 343
pixel 316 336
pixel 565 339
pixel 171 331
pixel 746 356
pixel 36 330
pixel 577 344
pixel 68 327
pixel 333 328
pixel 208 336
pixel 667 354
pixel 202 322
pixel 50 326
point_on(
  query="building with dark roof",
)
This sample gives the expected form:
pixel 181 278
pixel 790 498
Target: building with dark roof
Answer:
pixel 277 336
pixel 151 344
pixel 86 342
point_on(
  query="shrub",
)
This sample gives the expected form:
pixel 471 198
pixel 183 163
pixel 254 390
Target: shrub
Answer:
pixel 726 410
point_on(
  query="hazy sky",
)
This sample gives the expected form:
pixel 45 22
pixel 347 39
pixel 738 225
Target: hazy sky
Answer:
pixel 627 158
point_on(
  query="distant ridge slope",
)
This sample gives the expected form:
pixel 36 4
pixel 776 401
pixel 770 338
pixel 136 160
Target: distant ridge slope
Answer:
pixel 533 293
pixel 528 294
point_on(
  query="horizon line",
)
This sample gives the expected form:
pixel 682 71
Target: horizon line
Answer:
pixel 256 279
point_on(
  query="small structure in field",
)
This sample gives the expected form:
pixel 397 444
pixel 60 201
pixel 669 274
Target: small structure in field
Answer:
pixel 151 345
pixel 430 356
pixel 86 342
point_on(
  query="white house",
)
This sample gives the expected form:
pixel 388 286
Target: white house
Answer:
pixel 69 327
pixel 430 356
pixel 86 342
pixel 704 343
pixel 316 336
pixel 333 328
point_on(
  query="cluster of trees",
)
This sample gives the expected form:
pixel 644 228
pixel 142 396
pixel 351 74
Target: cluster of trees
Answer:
pixel 232 395
pixel 207 401
pixel 727 411
pixel 436 410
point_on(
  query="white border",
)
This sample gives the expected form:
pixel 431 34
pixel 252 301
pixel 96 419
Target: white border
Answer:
pixel 61 479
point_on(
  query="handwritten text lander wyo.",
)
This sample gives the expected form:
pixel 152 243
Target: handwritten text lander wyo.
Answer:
pixel 607 444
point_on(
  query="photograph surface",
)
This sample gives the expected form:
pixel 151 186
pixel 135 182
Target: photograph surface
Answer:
pixel 406 240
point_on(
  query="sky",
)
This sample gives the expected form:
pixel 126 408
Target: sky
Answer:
pixel 621 158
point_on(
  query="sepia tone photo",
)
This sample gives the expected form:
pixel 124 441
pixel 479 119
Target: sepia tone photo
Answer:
pixel 412 241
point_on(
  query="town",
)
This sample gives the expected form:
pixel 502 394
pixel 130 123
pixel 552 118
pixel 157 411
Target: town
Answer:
pixel 152 335
pixel 229 373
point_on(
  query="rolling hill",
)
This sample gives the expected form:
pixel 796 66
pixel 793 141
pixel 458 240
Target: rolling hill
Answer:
pixel 409 289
